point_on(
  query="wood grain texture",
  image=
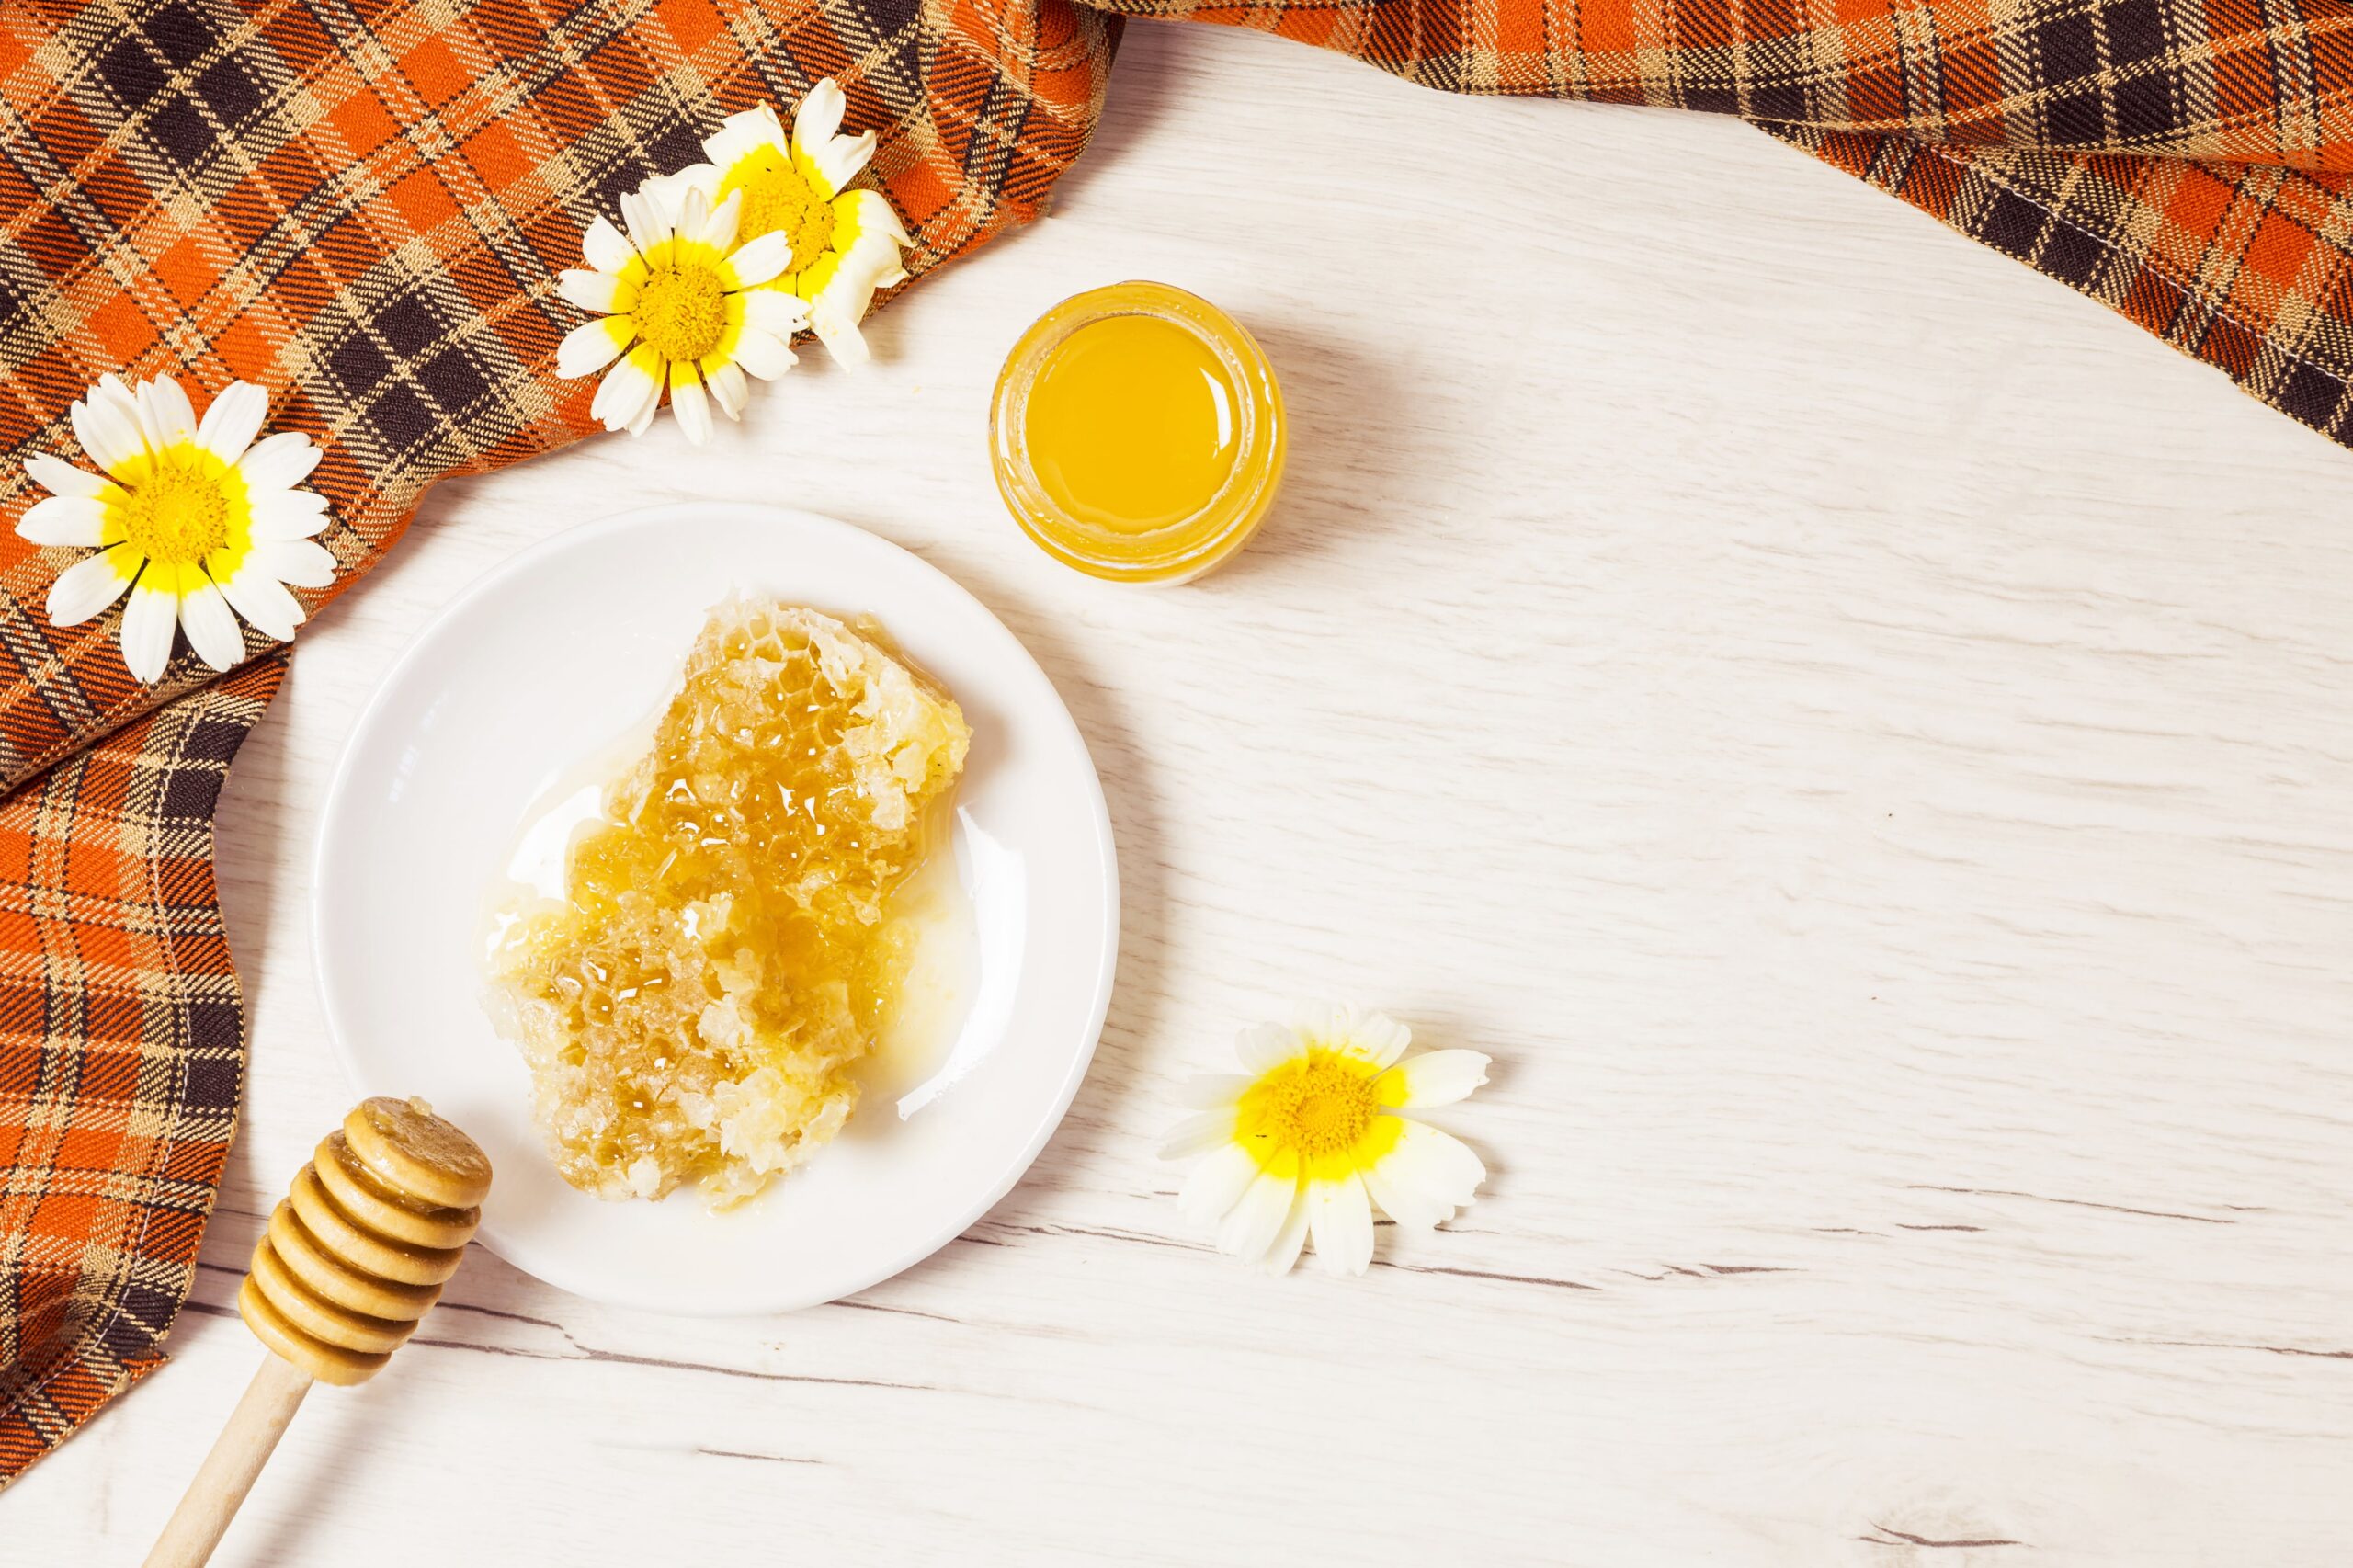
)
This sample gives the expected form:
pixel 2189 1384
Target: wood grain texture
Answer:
pixel 210 1506
pixel 1859 735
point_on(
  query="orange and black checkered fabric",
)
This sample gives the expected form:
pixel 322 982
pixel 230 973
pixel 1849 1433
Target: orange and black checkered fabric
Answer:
pixel 121 1051
pixel 363 205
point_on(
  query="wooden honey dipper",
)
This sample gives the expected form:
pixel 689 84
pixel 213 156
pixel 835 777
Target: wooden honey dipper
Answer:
pixel 355 1252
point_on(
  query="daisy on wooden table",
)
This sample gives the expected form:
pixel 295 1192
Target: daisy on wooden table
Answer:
pixel 1311 1137
pixel 197 521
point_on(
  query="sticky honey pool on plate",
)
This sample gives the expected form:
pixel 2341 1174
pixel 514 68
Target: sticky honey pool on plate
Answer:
pixel 1137 434
pixel 728 944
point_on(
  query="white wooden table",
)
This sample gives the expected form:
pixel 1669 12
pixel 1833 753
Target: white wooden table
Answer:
pixel 1862 736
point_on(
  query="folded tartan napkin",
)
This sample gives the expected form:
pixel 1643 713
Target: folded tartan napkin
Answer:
pixel 363 207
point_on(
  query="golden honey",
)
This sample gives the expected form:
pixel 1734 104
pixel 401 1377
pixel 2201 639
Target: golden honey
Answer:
pixel 726 948
pixel 1137 434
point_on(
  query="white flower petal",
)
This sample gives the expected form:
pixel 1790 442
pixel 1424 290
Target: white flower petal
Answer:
pixel 1341 1218
pixel 841 337
pixel 1249 1231
pixel 644 420
pixel 841 303
pixel 605 248
pixel 775 312
pixel 1211 1091
pixel 300 561
pixel 739 133
pixel 1213 1186
pixel 1433 1078
pixel 288 514
pixel 629 389
pixel 84 588
pixel 875 219
pixel 647 212
pixel 763 353
pixel 672 189
pixel 165 415
pixel 819 116
pixel 816 128
pixel 692 207
pixel 727 143
pixel 687 401
pixel 278 462
pixel 232 421
pixel 212 626
pixel 148 623
pixel 1283 1251
pixel 755 262
pixel 262 600
pixel 1375 1037
pixel 62 478
pixel 728 388
pixel 1198 1135
pixel 840 160
pixel 64 520
pixel 598 292
pixel 1263 1047
pixel 113 390
pixel 719 226
pixel 1320 1023
pixel 1412 1207
pixel 1432 1168
pixel 107 430
pixel 590 347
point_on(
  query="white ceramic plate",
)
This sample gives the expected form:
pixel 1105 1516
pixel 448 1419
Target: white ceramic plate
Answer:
pixel 554 655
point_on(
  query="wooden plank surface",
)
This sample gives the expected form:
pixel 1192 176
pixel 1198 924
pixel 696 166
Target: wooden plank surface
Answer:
pixel 1859 733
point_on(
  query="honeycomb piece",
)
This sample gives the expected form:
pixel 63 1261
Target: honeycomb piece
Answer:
pixel 726 947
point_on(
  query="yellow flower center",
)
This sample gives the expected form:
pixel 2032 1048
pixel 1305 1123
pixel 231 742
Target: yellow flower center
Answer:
pixel 681 310
pixel 179 510
pixel 1319 1105
pixel 778 198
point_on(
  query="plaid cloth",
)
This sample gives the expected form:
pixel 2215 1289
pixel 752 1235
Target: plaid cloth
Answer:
pixel 121 1050
pixel 363 205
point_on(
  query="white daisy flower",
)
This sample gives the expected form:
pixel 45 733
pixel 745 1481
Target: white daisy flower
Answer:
pixel 196 519
pixel 1310 1139
pixel 685 310
pixel 844 243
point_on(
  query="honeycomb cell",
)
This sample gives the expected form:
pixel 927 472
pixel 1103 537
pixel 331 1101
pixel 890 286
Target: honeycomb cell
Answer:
pixel 726 947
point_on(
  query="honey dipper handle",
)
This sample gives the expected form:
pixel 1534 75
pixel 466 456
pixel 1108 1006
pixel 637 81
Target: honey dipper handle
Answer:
pixel 228 1473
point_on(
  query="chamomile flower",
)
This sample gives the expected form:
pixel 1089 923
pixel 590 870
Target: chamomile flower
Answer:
pixel 196 520
pixel 684 312
pixel 844 243
pixel 1312 1138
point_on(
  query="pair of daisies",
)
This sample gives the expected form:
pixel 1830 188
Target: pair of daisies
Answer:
pixel 199 522
pixel 717 266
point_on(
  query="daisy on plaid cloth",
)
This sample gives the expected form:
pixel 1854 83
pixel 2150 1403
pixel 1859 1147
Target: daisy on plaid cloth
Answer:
pixel 845 243
pixel 722 262
pixel 197 521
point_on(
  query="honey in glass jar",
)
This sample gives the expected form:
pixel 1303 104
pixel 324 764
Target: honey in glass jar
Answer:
pixel 1137 434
